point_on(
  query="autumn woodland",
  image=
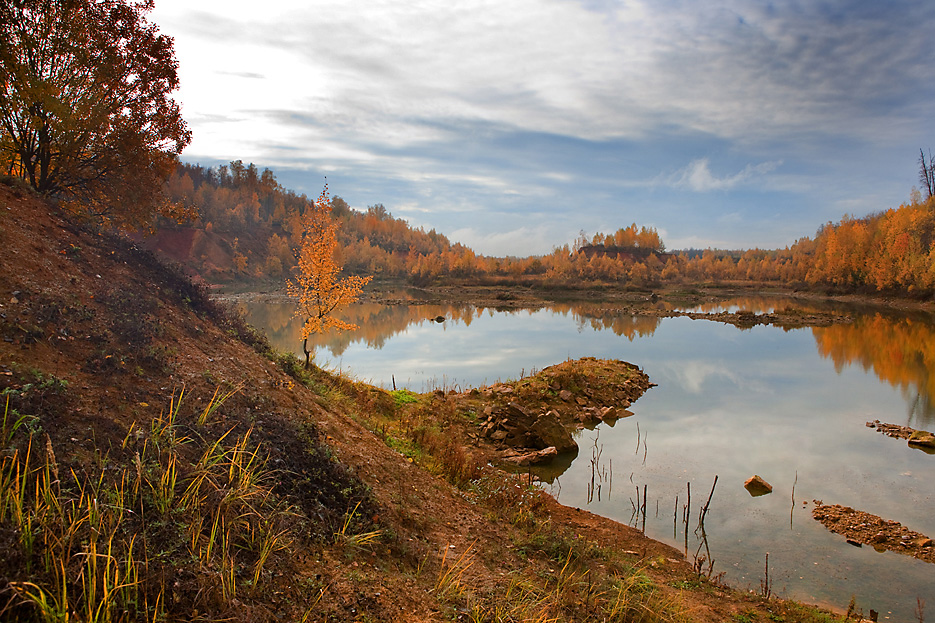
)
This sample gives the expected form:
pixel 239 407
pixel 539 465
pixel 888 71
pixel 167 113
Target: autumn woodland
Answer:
pixel 247 227
pixel 161 461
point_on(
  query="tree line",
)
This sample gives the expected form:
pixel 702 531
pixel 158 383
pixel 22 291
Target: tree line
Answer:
pixel 248 213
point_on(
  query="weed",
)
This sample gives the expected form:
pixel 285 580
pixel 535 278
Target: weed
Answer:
pixel 452 572
pixel 404 397
pixel 351 540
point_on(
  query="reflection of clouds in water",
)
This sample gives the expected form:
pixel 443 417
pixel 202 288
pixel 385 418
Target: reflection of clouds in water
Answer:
pixel 729 403
pixel 693 375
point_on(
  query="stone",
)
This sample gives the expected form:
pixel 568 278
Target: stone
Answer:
pixel 609 413
pixel 565 395
pixel 498 435
pixel 756 486
pixel 547 431
pixel 533 458
pixel 922 438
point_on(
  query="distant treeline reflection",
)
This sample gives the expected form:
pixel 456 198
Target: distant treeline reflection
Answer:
pixel 900 351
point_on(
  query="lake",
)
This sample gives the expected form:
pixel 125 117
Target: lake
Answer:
pixel 790 405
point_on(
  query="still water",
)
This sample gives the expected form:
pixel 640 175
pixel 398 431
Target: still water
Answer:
pixel 788 405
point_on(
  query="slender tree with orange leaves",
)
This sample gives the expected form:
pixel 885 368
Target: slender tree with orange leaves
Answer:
pixel 317 286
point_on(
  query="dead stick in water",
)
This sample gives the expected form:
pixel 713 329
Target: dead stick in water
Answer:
pixel 644 509
pixel 704 509
pixel 688 512
pixel 792 510
pixel 675 518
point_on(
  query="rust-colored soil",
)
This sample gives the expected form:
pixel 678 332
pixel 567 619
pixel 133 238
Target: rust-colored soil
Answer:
pixel 120 337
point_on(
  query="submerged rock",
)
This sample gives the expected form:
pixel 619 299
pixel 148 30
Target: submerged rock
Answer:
pixel 756 486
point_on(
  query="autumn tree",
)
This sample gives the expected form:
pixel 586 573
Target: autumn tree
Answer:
pixel 317 286
pixel 85 107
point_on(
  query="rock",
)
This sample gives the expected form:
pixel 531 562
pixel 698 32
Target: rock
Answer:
pixel 922 438
pixel 589 415
pixel 516 414
pixel 565 395
pixel 924 542
pixel 533 458
pixel 498 435
pixel 756 486
pixel 547 431
pixel 609 414
pixel 439 319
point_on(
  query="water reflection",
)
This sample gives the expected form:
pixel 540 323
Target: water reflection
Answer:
pixel 898 349
pixel 789 405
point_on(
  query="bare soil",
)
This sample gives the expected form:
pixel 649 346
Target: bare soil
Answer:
pixel 96 336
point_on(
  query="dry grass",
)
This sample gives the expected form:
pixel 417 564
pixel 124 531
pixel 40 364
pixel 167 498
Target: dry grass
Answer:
pixel 103 546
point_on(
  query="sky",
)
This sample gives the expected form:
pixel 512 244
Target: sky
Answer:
pixel 512 126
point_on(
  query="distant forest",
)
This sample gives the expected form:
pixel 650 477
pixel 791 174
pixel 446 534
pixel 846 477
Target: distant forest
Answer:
pixel 247 225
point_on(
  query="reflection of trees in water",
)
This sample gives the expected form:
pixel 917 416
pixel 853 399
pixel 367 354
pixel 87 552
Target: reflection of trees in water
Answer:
pixel 624 325
pixel 764 305
pixel 900 351
pixel 376 323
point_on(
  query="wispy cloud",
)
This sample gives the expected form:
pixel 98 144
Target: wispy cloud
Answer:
pixel 697 176
pixel 568 107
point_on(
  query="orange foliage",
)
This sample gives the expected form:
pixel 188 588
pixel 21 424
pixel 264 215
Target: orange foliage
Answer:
pixel 85 112
pixel 891 251
pixel 317 287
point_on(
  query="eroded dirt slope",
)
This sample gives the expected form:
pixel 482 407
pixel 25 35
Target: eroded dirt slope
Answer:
pixel 98 341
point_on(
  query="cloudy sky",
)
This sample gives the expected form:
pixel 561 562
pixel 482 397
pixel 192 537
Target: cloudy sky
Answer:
pixel 511 125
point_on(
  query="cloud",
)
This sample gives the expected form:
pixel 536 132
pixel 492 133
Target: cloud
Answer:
pixel 568 108
pixel 519 242
pixel 697 176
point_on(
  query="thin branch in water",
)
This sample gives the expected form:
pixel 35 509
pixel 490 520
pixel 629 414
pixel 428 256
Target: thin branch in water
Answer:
pixel 704 509
pixel 792 510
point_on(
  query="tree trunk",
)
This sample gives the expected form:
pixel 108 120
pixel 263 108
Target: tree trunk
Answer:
pixel 307 353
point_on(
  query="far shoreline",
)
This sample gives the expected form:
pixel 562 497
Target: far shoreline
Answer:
pixel 662 302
